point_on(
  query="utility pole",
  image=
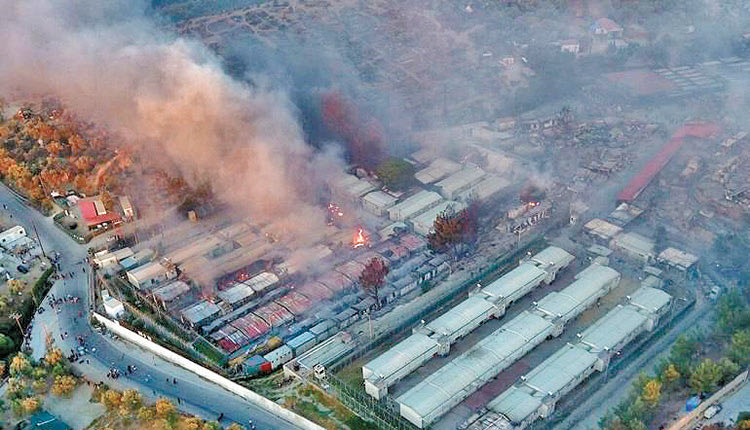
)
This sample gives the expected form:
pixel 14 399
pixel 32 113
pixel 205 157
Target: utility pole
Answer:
pixel 33 225
pixel 16 316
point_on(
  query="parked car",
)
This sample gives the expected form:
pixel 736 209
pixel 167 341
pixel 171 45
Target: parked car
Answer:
pixel 711 411
pixel 23 269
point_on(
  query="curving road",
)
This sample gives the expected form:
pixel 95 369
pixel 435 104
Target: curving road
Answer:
pixel 154 377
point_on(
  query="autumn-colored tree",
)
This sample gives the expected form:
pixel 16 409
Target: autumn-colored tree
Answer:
pixel 652 392
pixel 107 200
pixel 77 144
pixel 193 423
pixel 451 229
pixel 164 408
pixel 31 404
pixel 2 368
pixel 20 365
pixel 235 426
pixel 670 374
pixel 53 356
pixel 64 385
pixel 373 277
pixel 132 399
pixel 146 414
pixel 211 425
pixel 16 286
pixel 112 399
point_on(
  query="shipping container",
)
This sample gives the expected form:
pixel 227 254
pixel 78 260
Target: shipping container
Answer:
pixel 323 330
pixel 302 343
pixel 256 365
pixel 279 356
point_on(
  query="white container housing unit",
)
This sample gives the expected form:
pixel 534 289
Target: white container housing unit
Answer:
pixel 414 205
pixel 452 383
pixel 378 202
pixel 536 394
pixel 452 186
pixel 437 336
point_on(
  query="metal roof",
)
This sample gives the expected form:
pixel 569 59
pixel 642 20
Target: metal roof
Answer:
pixel 634 242
pixel 236 293
pixel 514 404
pixel 147 271
pixel 390 362
pixel 470 312
pixel 517 280
pixel 486 188
pixel 380 199
pixel 415 204
pixel 437 170
pixel 456 182
pixel 295 302
pixel 568 302
pixel 453 382
pixel 550 377
pixel 552 256
pixel 650 299
pixel 610 330
pixel 171 291
pixel 602 228
pixel 676 257
pixel 200 311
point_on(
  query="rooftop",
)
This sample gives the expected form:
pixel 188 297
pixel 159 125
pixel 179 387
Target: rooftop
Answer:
pixel 515 280
pixel 93 212
pixel 437 170
pixel 678 258
pixel 470 312
pixel 610 330
pixel 650 299
pixel 552 256
pixel 200 311
pixel 171 291
pixel 601 228
pixel 236 293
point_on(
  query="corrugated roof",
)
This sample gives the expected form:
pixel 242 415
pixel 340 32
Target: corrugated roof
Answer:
pixel 171 291
pixel 414 205
pixel 514 281
pixel 236 293
pixel 515 404
pixel 200 311
pixel 650 299
pixel 401 354
pixel 567 303
pixel 611 329
pixel 470 312
pixel 380 199
pixel 552 256
pixel 463 178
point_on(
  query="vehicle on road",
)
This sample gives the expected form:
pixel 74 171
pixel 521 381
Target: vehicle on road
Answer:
pixel 711 411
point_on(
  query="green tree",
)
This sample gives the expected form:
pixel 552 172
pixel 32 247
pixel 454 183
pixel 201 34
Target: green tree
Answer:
pixel 739 350
pixel 396 174
pixel 705 377
pixel 6 345
pixel 733 312
pixel 684 351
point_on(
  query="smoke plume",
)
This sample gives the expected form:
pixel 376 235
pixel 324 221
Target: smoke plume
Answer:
pixel 168 96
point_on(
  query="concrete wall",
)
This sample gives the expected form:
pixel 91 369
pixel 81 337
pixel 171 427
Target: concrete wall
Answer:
pixel 201 371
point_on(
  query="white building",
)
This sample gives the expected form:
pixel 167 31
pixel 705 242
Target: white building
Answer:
pixel 437 170
pixel 634 245
pixel 378 202
pixel 414 205
pixel 113 307
pixel 677 259
pixel 452 186
pixel 11 235
pixel 150 274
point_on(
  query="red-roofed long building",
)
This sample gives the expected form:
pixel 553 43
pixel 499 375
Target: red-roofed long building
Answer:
pixel 644 177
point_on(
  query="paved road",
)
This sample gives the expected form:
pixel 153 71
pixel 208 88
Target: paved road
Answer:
pixel 587 415
pixel 154 376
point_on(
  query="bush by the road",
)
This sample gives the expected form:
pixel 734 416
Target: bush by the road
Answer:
pixel 42 285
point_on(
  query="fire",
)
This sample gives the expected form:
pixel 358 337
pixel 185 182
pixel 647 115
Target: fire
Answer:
pixel 360 239
pixel 533 204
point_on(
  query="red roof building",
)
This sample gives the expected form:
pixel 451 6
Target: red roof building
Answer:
pixel 94 214
pixel 644 177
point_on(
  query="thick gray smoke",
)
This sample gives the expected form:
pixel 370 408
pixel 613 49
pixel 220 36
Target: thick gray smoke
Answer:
pixel 108 62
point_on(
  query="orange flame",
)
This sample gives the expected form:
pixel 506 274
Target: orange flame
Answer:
pixel 360 239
